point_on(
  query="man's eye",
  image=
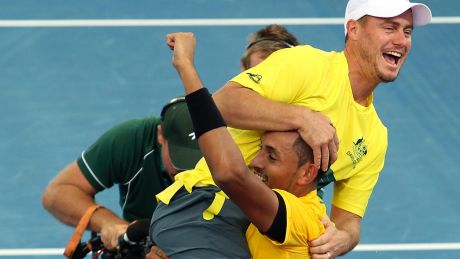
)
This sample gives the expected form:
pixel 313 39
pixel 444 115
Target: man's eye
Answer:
pixel 272 158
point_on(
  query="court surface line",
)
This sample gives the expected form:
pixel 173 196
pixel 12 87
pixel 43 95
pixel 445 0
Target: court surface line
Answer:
pixel 190 22
pixel 359 248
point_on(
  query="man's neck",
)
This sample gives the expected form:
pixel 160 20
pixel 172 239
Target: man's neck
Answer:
pixel 302 191
pixel 362 81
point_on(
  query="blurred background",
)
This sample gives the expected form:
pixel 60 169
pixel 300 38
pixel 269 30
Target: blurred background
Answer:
pixel 62 86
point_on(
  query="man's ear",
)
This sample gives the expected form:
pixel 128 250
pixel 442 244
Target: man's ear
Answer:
pixel 308 175
pixel 352 29
pixel 160 136
pixel 243 66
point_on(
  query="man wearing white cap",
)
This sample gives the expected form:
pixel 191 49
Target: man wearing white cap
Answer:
pixel 336 92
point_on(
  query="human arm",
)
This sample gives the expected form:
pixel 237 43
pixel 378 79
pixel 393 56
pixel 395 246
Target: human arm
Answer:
pixel 70 194
pixel 246 109
pixel 226 163
pixel 340 237
pixel 350 200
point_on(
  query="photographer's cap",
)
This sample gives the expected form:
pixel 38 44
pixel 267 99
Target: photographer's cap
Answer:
pixel 184 151
pixel 356 9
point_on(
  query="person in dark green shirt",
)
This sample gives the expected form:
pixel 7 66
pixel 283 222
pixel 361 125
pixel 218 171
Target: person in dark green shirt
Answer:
pixel 140 156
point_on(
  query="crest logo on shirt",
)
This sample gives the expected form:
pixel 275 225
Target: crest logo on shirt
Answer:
pixel 255 77
pixel 358 152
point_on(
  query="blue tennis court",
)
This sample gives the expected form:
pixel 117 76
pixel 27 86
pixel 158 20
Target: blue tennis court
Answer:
pixel 65 78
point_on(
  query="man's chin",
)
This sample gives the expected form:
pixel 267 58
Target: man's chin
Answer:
pixel 388 77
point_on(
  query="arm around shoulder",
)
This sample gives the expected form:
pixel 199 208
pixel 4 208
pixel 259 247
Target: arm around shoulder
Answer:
pixel 349 223
pixel 341 236
pixel 244 108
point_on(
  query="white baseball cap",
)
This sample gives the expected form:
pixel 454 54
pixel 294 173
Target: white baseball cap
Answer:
pixel 386 8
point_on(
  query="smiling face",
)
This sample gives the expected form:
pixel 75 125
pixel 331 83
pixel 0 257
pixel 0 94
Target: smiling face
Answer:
pixel 277 163
pixel 384 44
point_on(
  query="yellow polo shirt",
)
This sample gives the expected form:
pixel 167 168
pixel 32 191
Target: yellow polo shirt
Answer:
pixel 303 224
pixel 319 80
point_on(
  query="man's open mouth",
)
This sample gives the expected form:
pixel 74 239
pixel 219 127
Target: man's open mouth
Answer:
pixel 392 57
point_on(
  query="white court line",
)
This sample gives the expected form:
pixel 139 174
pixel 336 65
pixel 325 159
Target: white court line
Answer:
pixel 359 248
pixel 408 247
pixel 32 251
pixel 190 22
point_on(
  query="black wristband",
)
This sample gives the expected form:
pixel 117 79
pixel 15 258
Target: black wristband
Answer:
pixel 204 112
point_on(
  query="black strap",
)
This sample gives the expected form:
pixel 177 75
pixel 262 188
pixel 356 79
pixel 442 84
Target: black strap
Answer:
pixel 285 43
pixel 277 230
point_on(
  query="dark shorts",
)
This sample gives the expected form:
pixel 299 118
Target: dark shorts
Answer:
pixel 181 232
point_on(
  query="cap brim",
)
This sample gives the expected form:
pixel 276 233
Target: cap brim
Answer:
pixel 184 158
pixel 421 13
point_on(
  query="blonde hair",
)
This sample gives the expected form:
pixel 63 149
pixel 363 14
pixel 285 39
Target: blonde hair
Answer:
pixel 268 40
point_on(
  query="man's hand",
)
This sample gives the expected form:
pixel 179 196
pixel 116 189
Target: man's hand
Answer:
pixel 156 253
pixel 183 46
pixel 110 234
pixel 339 238
pixel 320 134
pixel 326 245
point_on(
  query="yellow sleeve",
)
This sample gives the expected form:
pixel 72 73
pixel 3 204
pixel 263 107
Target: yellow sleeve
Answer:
pixel 303 220
pixel 353 194
pixel 287 75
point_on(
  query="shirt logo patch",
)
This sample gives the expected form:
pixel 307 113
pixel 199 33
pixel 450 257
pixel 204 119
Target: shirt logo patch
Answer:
pixel 255 77
pixel 358 152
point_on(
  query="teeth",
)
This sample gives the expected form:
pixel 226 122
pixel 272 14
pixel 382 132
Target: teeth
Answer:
pixel 394 53
pixel 261 177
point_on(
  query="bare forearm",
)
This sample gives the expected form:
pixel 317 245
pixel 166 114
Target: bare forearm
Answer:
pixel 231 174
pixel 69 195
pixel 189 77
pixel 68 204
pixel 350 226
pixel 223 157
pixel 220 151
pixel 245 109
